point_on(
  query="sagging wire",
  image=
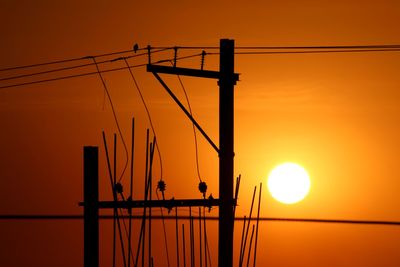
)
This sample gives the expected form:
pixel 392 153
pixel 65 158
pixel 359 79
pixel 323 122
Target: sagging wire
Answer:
pixel 161 184
pixel 115 119
pixel 193 126
pixel 202 185
pixel 148 116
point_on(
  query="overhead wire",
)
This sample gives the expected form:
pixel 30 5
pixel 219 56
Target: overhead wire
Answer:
pixel 194 128
pixel 364 47
pixel 81 58
pixel 148 114
pixel 44 217
pixel 49 71
pixel 62 61
pixel 282 47
pixel 69 76
pixel 166 60
pixel 372 46
pixel 116 121
pixel 76 66
pixel 315 51
pixel 91 73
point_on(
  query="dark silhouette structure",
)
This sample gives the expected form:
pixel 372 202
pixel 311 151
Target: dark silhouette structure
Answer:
pixel 226 202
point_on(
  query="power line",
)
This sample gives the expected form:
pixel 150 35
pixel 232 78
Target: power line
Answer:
pixel 311 51
pixel 315 51
pixel 212 218
pixel 75 66
pixel 83 58
pixel 371 48
pixel 115 119
pixel 382 46
pixel 92 73
pixel 68 77
pixel 62 61
pixel 194 129
pixel 148 115
pixel 339 49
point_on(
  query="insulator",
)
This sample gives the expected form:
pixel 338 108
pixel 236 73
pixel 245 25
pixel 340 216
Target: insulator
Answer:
pixel 203 188
pixel 161 185
pixel 118 188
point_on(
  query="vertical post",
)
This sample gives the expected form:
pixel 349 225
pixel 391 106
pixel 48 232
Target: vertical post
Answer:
pixel 90 209
pixel 226 106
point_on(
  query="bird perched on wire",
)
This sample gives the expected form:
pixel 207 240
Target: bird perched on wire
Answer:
pixel 135 48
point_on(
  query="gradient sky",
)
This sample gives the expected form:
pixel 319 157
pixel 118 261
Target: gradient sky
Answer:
pixel 336 114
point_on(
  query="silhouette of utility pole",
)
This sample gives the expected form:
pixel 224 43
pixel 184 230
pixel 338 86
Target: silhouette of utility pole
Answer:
pixel 226 202
pixel 226 81
pixel 90 209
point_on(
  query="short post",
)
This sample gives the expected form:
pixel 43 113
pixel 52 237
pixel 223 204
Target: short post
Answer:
pixel 90 208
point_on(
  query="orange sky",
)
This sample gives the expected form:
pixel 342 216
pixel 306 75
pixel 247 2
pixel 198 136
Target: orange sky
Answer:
pixel 336 114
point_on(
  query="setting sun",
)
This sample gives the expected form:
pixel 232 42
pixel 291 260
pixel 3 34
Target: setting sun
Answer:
pixel 288 183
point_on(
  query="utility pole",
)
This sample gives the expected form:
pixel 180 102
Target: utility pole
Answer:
pixel 226 202
pixel 90 209
pixel 226 153
pixel 226 81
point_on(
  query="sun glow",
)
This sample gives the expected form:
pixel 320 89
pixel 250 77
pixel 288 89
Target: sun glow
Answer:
pixel 289 183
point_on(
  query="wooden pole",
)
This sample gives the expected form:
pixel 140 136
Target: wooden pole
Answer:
pixel 90 209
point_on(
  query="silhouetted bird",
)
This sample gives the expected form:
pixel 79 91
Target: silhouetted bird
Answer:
pixel 135 48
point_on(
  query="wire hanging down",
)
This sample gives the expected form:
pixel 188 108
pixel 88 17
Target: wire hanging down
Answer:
pixel 115 119
pixel 148 115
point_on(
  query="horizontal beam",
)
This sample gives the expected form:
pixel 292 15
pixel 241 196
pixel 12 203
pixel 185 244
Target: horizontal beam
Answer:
pixel 157 203
pixel 187 72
